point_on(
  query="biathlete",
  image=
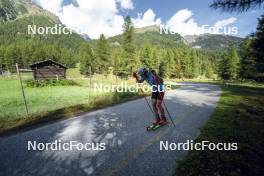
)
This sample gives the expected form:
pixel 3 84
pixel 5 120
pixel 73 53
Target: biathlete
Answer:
pixel 158 92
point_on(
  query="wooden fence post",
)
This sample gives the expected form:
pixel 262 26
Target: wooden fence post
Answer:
pixel 90 76
pixel 22 89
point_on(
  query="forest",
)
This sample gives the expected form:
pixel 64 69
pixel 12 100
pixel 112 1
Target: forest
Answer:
pixel 123 54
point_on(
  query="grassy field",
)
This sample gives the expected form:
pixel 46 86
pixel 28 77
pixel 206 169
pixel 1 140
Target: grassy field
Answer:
pixel 55 101
pixel 238 118
pixel 40 99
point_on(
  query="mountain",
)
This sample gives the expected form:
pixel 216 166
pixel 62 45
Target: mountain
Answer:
pixel 212 41
pixel 150 35
pixel 29 34
pixel 152 28
pixel 85 37
pixel 12 9
pixel 9 10
pixel 17 15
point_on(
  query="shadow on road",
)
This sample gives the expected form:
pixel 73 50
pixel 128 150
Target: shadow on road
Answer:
pixel 122 128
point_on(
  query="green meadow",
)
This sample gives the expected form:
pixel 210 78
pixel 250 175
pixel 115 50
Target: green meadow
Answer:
pixel 40 99
pixel 53 102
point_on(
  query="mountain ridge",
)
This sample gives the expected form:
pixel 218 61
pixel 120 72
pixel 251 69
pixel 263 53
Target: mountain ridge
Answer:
pixel 151 35
pixel 212 41
pixel 14 9
pixel 17 15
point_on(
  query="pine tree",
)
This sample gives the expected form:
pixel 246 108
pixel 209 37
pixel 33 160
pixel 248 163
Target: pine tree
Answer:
pixel 234 62
pixel 225 68
pixel 236 5
pixel 164 66
pixel 171 66
pixel 12 56
pixel 66 57
pixel 178 68
pixel 146 57
pixel 208 70
pixel 86 58
pixel 116 60
pixel 155 58
pixel 163 72
pixel 194 64
pixel 26 54
pixel 186 63
pixel 54 52
pixel 129 46
pixel 103 55
pixel 40 54
pixel 247 69
pixel 136 59
pixel 229 65
pixel 258 49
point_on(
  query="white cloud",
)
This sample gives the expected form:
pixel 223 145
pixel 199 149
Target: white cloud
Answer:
pixel 183 23
pixel 90 17
pixel 92 21
pixel 225 22
pixel 126 4
pixel 146 20
pixel 94 17
pixel 54 6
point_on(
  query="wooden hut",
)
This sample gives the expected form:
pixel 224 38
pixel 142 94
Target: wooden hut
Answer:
pixel 48 69
pixel 1 69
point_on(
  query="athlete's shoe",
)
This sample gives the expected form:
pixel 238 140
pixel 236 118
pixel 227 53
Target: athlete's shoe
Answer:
pixel 163 121
pixel 157 122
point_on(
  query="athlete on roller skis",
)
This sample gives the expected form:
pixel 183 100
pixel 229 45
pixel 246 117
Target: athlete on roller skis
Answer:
pixel 158 91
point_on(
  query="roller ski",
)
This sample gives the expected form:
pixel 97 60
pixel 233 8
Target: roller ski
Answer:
pixel 156 125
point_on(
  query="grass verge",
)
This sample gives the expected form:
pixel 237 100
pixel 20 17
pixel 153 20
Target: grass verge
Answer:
pixel 239 118
pixel 11 125
pixel 48 102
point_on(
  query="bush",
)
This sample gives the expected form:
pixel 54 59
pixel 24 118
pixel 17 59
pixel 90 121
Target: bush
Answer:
pixel 50 82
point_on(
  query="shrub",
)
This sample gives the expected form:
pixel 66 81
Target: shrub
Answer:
pixel 49 83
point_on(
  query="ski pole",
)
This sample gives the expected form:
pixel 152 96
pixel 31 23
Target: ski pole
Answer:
pixel 147 102
pixel 168 112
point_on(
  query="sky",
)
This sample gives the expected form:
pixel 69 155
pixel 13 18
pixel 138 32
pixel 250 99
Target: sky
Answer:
pixel 187 17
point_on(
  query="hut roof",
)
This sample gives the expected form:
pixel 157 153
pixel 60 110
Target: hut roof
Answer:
pixel 45 63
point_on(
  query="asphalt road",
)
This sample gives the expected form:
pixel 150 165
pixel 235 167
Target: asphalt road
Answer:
pixel 130 149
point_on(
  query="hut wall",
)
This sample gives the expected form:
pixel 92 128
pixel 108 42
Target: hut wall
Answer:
pixel 49 72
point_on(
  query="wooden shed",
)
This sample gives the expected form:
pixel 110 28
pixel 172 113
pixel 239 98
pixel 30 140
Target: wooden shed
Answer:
pixel 48 69
pixel 1 69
